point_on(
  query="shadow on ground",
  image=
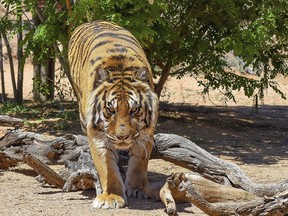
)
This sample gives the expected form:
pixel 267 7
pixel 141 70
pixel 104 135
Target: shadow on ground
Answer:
pixel 239 132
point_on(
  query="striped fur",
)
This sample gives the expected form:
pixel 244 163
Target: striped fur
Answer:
pixel 118 108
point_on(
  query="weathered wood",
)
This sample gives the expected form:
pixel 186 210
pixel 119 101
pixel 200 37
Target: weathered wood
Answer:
pixel 51 177
pixel 8 160
pixel 73 151
pixel 209 191
pixel 268 206
pixel 7 120
pixel 37 151
pixel 182 186
pixel 16 138
pixel 83 179
pixel 204 205
pixel 48 148
pixel 169 147
pixel 187 154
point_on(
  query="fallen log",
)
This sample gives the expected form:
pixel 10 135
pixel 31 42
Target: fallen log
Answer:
pixel 270 206
pixel 10 121
pixel 73 152
pixel 38 151
pixel 185 185
pixel 210 191
pixel 185 153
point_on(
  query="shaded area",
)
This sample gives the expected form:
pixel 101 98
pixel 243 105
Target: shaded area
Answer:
pixel 238 132
pixel 27 172
pixel 55 118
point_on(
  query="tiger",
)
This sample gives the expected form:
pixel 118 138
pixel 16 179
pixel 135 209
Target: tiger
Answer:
pixel 118 107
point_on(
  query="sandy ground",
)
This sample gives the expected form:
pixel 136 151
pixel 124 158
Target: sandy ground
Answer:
pixel 257 142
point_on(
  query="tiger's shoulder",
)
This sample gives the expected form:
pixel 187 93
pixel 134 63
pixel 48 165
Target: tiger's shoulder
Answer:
pixel 102 44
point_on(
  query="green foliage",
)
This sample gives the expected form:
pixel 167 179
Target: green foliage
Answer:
pixel 43 31
pixel 138 16
pixel 259 40
pixel 195 35
pixel 41 86
pixel 51 29
pixel 179 37
pixel 12 108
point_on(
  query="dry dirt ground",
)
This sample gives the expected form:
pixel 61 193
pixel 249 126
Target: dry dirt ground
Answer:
pixel 257 142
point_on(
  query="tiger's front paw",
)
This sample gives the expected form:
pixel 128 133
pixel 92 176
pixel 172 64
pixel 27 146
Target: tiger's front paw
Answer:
pixel 108 201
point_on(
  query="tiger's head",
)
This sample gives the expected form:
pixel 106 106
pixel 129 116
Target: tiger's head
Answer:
pixel 123 107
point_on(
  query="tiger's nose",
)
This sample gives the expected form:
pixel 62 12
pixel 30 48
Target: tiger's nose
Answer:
pixel 122 134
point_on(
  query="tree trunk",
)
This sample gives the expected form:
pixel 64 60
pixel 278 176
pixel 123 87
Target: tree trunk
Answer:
pixel 65 65
pixel 44 73
pixel 43 85
pixel 69 7
pixel 44 89
pixel 9 53
pixel 164 76
pixel 3 95
pixel 36 78
pixel 21 61
pixel 51 78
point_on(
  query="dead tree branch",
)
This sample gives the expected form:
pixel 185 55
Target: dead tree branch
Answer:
pixel 185 187
pixel 40 151
pixel 10 121
pixel 51 177
pixel 185 153
pixel 277 205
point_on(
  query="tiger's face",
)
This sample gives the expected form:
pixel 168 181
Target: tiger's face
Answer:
pixel 123 110
pixel 122 119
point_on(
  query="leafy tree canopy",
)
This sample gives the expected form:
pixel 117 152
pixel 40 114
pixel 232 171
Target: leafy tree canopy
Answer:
pixel 184 36
pixel 193 36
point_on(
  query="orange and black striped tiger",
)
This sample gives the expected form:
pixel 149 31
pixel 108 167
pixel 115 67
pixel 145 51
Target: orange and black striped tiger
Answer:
pixel 117 105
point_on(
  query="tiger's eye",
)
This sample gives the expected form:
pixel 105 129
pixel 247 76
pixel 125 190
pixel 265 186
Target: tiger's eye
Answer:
pixel 133 110
pixel 111 110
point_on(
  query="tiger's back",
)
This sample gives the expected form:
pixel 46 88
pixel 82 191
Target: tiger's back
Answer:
pixel 105 45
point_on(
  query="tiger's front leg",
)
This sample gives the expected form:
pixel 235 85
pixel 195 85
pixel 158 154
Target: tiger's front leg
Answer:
pixel 105 161
pixel 136 176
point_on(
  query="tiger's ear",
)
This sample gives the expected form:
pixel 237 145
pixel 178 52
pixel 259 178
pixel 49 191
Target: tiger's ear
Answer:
pixel 142 74
pixel 102 75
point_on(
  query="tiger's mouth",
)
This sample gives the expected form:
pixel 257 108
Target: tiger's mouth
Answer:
pixel 122 144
